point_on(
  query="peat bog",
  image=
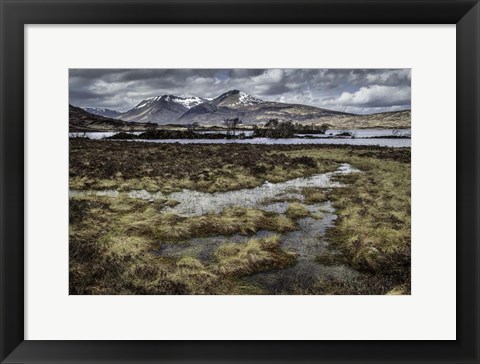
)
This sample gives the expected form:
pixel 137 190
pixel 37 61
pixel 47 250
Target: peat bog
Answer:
pixel 348 232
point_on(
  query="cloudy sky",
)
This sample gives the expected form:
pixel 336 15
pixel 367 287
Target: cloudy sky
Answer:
pixel 360 91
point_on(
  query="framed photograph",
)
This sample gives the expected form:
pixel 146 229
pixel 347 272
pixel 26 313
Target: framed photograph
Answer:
pixel 239 181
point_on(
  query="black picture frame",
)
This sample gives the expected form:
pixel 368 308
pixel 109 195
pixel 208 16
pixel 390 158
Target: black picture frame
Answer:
pixel 17 13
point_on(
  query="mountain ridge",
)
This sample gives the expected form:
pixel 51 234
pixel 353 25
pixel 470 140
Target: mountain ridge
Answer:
pixel 103 111
pixel 172 109
pixel 80 120
pixel 163 109
pixel 251 110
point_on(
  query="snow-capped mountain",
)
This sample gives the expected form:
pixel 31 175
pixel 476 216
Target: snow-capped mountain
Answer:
pixel 171 109
pixel 161 109
pixel 109 113
pixel 236 98
pixel 251 110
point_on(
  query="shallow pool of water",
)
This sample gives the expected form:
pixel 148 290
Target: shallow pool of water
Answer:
pixel 307 242
pixel 196 203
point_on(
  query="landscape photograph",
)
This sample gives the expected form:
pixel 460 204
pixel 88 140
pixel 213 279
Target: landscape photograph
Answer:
pixel 239 181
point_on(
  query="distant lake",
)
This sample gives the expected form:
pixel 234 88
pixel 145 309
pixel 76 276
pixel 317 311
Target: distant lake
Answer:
pixel 396 143
pixel 361 138
pixel 98 134
pixel 358 133
pixel 365 133
pixel 237 132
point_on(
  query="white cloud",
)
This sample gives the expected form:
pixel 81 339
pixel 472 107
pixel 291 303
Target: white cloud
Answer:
pixel 269 76
pixel 376 95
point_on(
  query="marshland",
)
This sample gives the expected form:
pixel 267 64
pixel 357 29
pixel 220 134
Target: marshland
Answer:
pixel 238 218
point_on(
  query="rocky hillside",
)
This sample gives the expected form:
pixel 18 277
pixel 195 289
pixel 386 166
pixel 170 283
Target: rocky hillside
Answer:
pixel 164 109
pixel 387 120
pixel 81 120
pixel 236 99
pixel 109 113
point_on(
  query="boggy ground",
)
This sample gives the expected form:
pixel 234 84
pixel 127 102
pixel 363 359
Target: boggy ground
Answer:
pixel 113 240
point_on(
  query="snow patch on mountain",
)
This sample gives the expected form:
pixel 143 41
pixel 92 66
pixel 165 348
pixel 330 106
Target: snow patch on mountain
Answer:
pixel 246 99
pixel 187 102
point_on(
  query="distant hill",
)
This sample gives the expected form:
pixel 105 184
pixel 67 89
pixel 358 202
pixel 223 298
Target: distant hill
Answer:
pixel 385 120
pixel 81 120
pixel 109 113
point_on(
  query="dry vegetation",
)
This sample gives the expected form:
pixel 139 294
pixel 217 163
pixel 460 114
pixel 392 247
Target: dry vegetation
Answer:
pixel 297 210
pixel 171 167
pixel 373 231
pixel 113 240
pixel 387 120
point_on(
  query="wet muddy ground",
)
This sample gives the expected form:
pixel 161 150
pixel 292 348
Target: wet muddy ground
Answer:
pixel 306 243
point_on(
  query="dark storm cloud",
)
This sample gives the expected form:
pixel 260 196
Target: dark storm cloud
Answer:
pixel 352 90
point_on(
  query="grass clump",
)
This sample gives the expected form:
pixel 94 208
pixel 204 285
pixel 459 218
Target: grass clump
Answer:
pixel 256 255
pixel 234 220
pixel 171 203
pixel 112 248
pixel 195 276
pixel 297 210
pixel 373 229
pixel 314 195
